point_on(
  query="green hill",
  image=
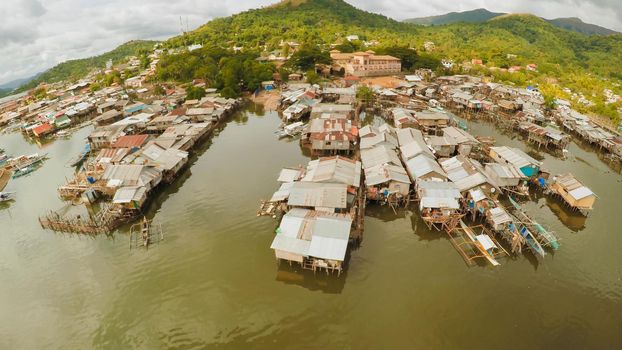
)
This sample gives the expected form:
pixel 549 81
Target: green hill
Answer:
pixel 530 38
pixel 577 25
pixel 473 16
pixel 75 69
pixel 482 15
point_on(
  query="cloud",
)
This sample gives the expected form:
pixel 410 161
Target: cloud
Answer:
pixel 38 34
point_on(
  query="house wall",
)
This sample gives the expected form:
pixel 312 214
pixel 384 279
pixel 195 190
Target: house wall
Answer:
pixel 402 188
pixel 288 256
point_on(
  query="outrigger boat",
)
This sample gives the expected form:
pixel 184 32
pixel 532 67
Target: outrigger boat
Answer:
pixel 530 238
pixel 24 171
pixel 77 160
pixel 25 161
pixel 145 233
pixel 291 130
pixel 7 196
pixel 540 232
pixel 472 245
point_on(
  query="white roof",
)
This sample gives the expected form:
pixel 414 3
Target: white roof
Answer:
pixel 580 193
pixel 128 194
pixel 486 242
pixel 283 192
pixel 477 194
pixel 291 245
pixel 334 170
pixel 328 238
pixel 384 173
pixel 515 156
pixel 381 154
pixel 499 216
pixel 289 175
pixel 312 194
pixel 422 165
pixel 437 202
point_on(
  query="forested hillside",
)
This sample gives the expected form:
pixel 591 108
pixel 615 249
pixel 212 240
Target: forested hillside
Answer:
pixel 76 69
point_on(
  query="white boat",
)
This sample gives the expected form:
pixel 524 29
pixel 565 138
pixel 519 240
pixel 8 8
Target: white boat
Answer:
pixel 292 129
pixel 6 196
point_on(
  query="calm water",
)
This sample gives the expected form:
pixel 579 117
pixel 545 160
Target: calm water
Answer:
pixel 214 282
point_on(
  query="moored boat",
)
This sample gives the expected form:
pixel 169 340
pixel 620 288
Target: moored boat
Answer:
pixel 7 196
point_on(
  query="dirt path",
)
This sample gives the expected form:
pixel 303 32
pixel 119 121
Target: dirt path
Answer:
pixel 269 99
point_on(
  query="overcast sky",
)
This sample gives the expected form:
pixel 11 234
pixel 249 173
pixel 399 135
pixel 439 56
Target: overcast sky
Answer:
pixel 37 34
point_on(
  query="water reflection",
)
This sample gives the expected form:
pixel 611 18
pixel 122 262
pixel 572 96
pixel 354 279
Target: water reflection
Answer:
pixel 318 281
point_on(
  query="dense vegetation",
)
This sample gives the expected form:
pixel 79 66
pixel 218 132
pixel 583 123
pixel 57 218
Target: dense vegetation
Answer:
pixel 230 72
pixel 76 69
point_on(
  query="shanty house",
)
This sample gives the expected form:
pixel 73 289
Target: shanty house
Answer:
pixel 383 180
pixel 573 192
pixel 422 167
pixel 321 239
pixel 514 156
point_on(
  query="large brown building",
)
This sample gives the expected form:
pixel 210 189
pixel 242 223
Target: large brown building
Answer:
pixel 366 64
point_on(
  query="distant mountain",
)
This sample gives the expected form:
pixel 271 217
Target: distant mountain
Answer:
pixel 473 16
pixel 14 84
pixel 577 25
pixel 482 15
pixel 75 69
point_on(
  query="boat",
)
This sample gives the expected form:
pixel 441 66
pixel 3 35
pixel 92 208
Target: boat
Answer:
pixel 482 242
pixel 532 242
pixel 7 196
pixel 62 133
pixel 75 161
pixel 291 130
pixel 24 171
pixel 25 161
pixel 547 238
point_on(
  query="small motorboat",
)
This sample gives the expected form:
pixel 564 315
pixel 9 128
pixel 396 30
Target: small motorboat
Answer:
pixel 7 196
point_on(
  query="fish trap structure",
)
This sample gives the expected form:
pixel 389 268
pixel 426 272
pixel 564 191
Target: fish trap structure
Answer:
pixel 145 234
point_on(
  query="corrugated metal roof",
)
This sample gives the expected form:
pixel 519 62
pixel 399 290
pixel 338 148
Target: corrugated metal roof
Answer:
pixel 312 194
pixel 499 216
pixel 504 171
pixel 283 192
pixel 458 135
pixel 477 194
pixel 581 192
pixel 515 156
pixel 380 154
pixel 127 194
pixel 384 173
pixel 334 169
pixel 439 203
pixel 422 165
pixel 130 141
pixel 289 175
pixel 291 245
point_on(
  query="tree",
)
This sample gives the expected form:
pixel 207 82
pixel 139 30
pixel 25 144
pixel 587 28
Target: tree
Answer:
pixel 312 77
pixel 308 56
pixel 159 90
pixel 365 94
pixel 194 93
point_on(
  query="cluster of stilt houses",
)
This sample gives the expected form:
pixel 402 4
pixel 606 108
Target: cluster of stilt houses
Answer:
pixel 461 185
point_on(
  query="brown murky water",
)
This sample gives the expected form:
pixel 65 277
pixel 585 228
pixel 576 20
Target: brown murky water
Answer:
pixel 214 282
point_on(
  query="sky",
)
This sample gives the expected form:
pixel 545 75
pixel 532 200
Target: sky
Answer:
pixel 37 34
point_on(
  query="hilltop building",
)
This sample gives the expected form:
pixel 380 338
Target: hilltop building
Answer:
pixel 366 64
